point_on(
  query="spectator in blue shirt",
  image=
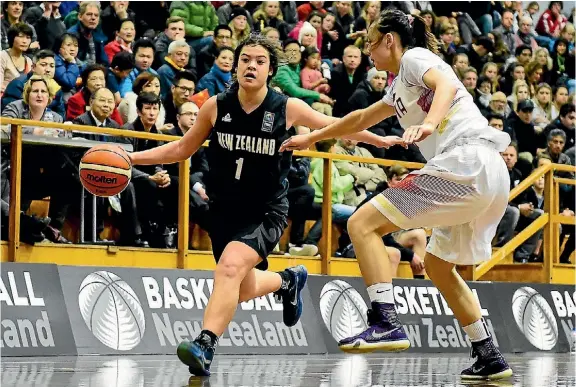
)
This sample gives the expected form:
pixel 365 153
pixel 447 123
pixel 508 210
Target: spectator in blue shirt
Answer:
pixel 121 66
pixel 217 80
pixel 143 58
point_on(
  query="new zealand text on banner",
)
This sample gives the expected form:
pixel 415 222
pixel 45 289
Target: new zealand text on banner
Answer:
pixel 34 318
pixel 537 316
pixel 429 322
pixel 126 310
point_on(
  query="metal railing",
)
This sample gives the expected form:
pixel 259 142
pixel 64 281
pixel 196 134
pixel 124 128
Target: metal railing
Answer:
pixel 549 220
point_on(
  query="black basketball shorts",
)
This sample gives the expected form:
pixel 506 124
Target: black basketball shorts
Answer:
pixel 261 233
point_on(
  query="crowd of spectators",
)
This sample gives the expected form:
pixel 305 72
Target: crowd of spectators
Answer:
pixel 149 66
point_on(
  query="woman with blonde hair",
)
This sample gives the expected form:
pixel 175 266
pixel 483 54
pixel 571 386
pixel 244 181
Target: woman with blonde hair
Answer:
pixel 533 77
pixel 238 22
pixel 269 14
pixel 519 93
pixel 542 114
pixel 368 15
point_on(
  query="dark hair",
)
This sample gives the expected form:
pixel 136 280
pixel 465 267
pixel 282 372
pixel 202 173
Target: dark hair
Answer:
pixel 412 30
pixel 514 145
pixel 89 70
pixel 222 27
pixel 482 79
pixel 186 74
pixel 289 41
pixel 560 3
pixel 267 44
pixel 325 145
pixel 315 13
pixel 43 54
pixel 558 87
pixel 143 43
pixel 142 80
pixel 61 38
pixel 124 21
pixel 224 48
pixel 489 116
pixel 17 29
pixel 124 60
pixel 566 109
pixel 555 49
pixel 485 42
pixel 508 10
pixel 521 48
pixel 308 51
pixel 147 99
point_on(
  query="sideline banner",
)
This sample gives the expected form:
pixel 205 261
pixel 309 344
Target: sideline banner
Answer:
pixel 34 319
pixel 537 316
pixel 430 324
pixel 149 311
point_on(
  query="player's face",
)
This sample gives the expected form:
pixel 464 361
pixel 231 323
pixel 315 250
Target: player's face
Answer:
pixel 253 67
pixel 510 157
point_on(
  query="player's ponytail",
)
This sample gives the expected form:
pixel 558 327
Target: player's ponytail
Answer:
pixel 412 30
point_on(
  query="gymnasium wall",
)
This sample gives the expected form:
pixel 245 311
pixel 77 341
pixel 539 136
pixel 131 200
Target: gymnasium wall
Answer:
pixel 48 310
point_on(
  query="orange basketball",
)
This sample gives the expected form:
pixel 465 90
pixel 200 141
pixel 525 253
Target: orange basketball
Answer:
pixel 105 170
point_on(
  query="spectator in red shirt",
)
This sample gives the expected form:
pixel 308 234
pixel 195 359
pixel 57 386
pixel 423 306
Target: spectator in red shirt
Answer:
pixel 550 24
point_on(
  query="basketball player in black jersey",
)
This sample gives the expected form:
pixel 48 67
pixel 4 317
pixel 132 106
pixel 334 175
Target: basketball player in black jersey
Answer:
pixel 247 186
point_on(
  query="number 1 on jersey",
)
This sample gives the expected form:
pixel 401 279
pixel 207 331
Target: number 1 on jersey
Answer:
pixel 239 164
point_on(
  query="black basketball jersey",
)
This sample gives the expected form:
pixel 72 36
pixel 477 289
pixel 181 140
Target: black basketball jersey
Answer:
pixel 246 170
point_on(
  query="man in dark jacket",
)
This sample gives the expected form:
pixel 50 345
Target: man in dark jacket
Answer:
pixel 207 56
pixel 521 129
pixel 565 121
pixel 101 108
pixel 478 53
pixel 345 78
pixel 47 21
pixel 90 40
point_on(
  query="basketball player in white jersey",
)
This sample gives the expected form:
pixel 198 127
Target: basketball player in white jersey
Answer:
pixel 461 192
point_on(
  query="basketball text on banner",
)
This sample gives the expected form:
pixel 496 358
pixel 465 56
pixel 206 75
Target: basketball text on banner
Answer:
pixel 147 311
pixel 34 317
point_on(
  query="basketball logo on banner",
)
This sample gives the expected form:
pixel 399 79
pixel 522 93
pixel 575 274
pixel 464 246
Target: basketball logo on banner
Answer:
pixel 535 318
pixel 111 310
pixel 343 309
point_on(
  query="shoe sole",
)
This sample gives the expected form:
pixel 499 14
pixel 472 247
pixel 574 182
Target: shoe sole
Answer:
pixel 500 375
pixel 187 357
pixel 360 346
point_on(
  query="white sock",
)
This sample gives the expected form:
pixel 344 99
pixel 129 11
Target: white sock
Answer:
pixel 381 292
pixel 477 331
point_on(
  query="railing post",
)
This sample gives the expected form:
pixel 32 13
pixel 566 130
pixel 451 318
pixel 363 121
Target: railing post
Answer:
pixel 183 211
pixel 326 250
pixel 15 191
pixel 549 242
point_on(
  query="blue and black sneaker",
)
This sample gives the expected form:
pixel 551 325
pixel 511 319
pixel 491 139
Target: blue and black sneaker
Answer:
pixel 489 364
pixel 197 355
pixel 291 293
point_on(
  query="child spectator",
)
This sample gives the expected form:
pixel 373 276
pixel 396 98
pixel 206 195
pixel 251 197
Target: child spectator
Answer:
pixel 312 78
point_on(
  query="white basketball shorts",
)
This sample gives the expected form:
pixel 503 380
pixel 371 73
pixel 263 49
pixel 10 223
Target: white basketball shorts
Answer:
pixel 461 194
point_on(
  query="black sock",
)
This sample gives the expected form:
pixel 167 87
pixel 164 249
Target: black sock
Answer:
pixel 208 335
pixel 286 278
pixel 418 276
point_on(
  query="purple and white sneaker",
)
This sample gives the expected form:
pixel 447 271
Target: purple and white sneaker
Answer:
pixel 489 365
pixel 384 333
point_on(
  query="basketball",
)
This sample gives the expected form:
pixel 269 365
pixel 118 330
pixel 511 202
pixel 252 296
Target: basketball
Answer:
pixel 105 170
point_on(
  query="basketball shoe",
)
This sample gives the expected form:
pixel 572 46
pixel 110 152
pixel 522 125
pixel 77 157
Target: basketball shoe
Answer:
pixel 384 332
pixel 489 364
pixel 290 293
pixel 197 355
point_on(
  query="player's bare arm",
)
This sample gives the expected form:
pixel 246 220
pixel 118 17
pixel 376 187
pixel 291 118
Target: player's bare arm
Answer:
pixel 184 148
pixel 444 93
pixel 300 113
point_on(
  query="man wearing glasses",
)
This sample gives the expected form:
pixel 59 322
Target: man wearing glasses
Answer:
pixel 207 55
pixel 182 89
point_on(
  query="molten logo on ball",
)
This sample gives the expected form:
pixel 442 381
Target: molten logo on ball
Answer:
pixel 102 179
pixel 343 309
pixel 535 318
pixel 111 310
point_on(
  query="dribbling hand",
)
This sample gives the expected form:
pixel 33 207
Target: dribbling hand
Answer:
pixel 417 133
pixel 298 142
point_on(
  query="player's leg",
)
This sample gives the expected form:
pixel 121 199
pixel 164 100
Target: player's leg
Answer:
pixel 385 331
pixel 459 297
pixel 236 261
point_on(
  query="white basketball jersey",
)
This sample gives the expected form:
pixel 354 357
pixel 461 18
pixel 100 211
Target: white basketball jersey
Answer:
pixel 411 99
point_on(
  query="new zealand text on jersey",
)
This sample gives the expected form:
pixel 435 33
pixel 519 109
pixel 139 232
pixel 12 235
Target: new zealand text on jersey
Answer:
pixel 264 146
